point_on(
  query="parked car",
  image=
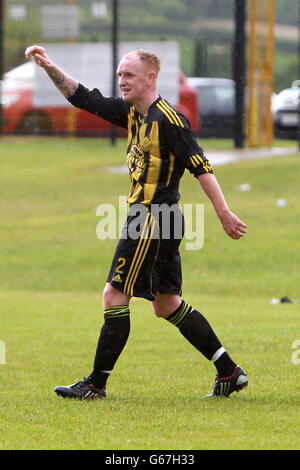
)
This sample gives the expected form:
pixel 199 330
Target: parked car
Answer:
pixel 216 106
pixel 286 112
pixel 21 116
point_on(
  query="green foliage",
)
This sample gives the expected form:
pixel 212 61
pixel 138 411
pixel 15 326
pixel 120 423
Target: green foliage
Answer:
pixel 285 70
pixel 287 12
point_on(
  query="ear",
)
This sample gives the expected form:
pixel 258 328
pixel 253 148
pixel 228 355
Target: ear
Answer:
pixel 152 77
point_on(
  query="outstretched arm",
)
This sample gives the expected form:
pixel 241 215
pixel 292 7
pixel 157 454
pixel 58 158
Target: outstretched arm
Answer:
pixel 66 84
pixel 232 225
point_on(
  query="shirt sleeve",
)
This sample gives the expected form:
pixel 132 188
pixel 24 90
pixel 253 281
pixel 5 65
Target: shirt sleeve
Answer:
pixel 114 110
pixel 183 144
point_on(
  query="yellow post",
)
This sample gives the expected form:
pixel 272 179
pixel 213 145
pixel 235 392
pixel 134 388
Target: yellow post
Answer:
pixel 260 82
pixel 72 111
pixel 271 42
pixel 251 83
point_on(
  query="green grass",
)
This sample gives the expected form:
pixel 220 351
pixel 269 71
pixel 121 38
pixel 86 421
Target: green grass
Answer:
pixel 52 272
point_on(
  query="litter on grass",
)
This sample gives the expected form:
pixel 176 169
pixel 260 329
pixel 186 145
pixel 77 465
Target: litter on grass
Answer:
pixel 284 300
pixel 281 203
pixel 244 187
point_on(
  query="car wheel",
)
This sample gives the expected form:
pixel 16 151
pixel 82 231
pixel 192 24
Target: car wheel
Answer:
pixel 35 123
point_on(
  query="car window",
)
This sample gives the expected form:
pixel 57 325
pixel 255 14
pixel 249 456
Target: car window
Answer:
pixel 217 99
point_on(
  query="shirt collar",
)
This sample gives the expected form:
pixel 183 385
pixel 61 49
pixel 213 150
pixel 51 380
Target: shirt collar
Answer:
pixel 152 105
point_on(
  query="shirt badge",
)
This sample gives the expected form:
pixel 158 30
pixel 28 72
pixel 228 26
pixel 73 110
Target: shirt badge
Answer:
pixel 146 144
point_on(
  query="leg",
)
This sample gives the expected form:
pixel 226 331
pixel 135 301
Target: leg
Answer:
pixel 130 274
pixel 195 328
pixel 113 336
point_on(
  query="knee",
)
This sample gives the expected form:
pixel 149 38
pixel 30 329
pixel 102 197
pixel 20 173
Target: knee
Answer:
pixel 158 309
pixel 108 295
pixel 164 305
pixel 112 296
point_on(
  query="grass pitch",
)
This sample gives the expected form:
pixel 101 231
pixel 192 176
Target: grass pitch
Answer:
pixel 53 268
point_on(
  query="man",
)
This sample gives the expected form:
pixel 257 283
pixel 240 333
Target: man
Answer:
pixel 146 263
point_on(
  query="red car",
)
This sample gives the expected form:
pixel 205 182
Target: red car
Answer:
pixel 21 116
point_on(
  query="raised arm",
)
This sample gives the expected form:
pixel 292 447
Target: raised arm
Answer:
pixel 232 225
pixel 66 84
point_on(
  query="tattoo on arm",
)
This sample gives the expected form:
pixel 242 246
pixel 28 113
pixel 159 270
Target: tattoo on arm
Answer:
pixel 66 85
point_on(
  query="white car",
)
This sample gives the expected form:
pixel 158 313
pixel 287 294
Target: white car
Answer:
pixel 286 112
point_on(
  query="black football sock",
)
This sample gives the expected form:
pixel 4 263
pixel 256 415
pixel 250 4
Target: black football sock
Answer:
pixel 196 329
pixel 113 337
pixel 224 364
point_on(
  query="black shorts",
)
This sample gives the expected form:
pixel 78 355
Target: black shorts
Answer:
pixel 147 258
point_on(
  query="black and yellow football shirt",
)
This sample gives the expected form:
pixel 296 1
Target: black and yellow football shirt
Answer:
pixel 160 146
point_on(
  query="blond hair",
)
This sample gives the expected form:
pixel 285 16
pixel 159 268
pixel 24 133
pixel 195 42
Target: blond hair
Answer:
pixel 148 58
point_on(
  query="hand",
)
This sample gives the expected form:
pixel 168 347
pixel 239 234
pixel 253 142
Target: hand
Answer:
pixel 66 84
pixel 232 225
pixel 40 56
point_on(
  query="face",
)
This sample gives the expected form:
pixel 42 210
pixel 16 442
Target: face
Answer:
pixel 133 79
